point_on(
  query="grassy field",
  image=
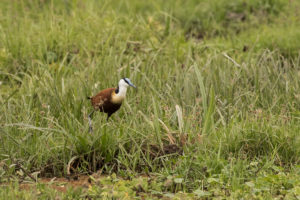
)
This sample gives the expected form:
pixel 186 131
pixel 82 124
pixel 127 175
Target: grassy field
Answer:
pixel 216 113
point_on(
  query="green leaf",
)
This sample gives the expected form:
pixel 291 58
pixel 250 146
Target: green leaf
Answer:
pixel 213 180
pixel 201 193
pixel 250 184
pixel 178 180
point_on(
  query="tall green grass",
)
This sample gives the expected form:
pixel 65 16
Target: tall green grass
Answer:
pixel 223 107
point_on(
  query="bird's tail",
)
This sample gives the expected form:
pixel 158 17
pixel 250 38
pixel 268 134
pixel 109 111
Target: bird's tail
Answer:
pixel 89 97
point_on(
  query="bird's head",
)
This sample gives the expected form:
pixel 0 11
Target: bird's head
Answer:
pixel 125 82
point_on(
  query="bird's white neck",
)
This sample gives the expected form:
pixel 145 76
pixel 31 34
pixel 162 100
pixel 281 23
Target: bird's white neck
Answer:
pixel 122 91
pixel 120 96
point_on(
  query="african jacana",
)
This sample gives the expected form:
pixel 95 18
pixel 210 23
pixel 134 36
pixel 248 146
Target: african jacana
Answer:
pixel 109 100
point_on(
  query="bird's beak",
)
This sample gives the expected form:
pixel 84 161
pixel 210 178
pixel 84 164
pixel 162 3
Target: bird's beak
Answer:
pixel 132 85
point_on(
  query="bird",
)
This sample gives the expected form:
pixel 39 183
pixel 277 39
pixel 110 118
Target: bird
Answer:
pixel 109 100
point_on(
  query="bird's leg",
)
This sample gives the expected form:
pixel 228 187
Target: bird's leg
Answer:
pixel 108 116
pixel 90 121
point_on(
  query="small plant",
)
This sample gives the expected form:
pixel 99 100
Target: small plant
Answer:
pixel 216 114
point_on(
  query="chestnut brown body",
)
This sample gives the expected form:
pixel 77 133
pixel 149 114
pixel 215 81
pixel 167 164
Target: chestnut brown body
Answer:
pixel 103 101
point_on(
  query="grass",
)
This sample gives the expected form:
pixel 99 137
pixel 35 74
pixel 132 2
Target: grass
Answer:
pixel 216 113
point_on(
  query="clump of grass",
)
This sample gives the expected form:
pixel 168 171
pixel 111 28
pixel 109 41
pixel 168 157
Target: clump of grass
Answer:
pixel 206 112
pixel 223 18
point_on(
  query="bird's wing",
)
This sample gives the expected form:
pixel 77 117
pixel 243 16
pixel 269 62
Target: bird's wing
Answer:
pixel 102 97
